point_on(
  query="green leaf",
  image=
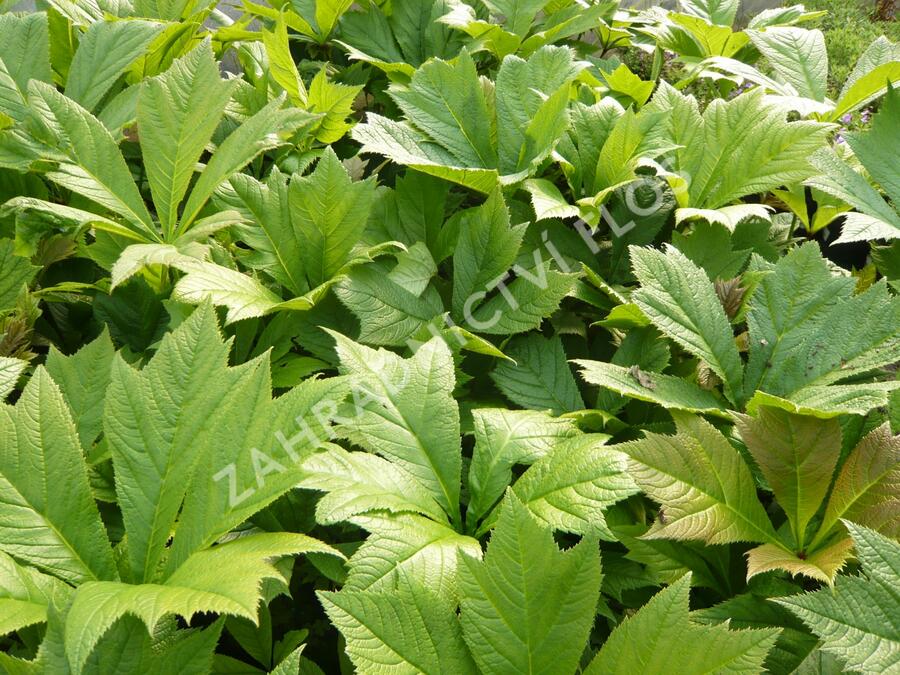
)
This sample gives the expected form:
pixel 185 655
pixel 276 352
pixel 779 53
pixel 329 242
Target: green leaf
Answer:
pixel 388 313
pixel 177 113
pixel 857 620
pixel 718 12
pixel 17 274
pixel 680 300
pixel 521 306
pixel 104 53
pixel 574 483
pixel 83 378
pixel 282 68
pixel 504 438
pixel 195 586
pixel 58 531
pixel 540 377
pixel 660 637
pixel 705 488
pixel 865 490
pixel 329 212
pixel 154 455
pixel 797 55
pixel 95 168
pixel 265 130
pixel 415 268
pixel 409 414
pixel 10 371
pixel 25 47
pixel 455 129
pixel 334 101
pixel 485 250
pixel 243 295
pixel 358 482
pixel 25 595
pixel 797 455
pixel 808 330
pixel 411 546
pixel 876 220
pixel 737 148
pixel 674 393
pixel 529 607
pixel 407 629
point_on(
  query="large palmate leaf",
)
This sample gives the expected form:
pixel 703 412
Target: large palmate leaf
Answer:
pixel 407 629
pixel 528 607
pixel 329 214
pixel 475 136
pixel 178 112
pixel 702 483
pixel 857 620
pixel 58 531
pixel 797 455
pixel 808 332
pixel 875 148
pixel 661 637
pixel 175 462
pixel 735 148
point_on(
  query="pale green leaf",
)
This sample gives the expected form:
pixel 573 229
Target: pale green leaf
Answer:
pixel 674 393
pixel 104 53
pixel 706 490
pixel 408 545
pixel 504 438
pixel 196 586
pixel 528 607
pixel 660 637
pixel 11 370
pixel 574 483
pixel 409 414
pixel 83 378
pixel 798 56
pixel 177 113
pixel 329 213
pixel 401 631
pixel 57 530
pixel 681 301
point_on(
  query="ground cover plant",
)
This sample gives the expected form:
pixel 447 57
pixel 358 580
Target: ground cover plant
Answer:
pixel 444 336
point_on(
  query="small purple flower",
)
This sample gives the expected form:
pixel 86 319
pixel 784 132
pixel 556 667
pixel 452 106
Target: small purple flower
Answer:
pixel 865 116
pixel 846 118
pixel 839 137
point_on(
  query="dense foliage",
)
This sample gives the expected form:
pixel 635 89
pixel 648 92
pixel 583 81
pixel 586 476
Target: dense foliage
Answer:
pixel 445 336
